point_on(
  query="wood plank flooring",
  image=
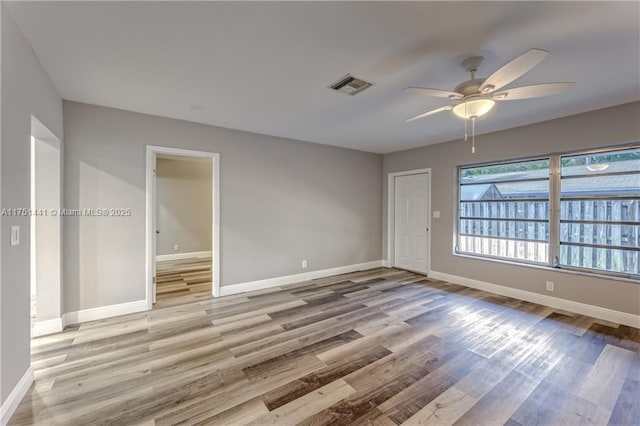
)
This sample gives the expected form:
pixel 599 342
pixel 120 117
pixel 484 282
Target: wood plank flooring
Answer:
pixel 182 281
pixel 377 347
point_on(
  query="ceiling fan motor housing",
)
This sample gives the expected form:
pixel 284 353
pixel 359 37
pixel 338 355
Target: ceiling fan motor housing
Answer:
pixel 469 87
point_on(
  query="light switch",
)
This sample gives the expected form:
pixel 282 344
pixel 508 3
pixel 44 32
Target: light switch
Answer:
pixel 15 235
pixel 436 214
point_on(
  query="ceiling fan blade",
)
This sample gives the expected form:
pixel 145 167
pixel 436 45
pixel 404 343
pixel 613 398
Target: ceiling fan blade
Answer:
pixel 433 111
pixel 513 69
pixel 533 91
pixel 433 92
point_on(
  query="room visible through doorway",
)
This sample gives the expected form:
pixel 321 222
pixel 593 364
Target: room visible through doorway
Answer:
pixel 183 228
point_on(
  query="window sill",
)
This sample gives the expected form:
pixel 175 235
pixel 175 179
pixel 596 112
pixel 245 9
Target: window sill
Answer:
pixel 549 268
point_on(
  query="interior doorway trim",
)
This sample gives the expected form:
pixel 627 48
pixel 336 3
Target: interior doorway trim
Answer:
pixel 45 229
pixel 152 152
pixel 391 213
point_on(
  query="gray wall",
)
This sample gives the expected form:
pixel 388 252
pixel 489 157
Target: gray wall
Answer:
pixel 281 201
pixel 183 195
pixel 593 129
pixel 26 90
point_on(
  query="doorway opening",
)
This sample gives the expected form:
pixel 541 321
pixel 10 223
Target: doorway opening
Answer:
pixel 182 226
pixel 409 220
pixel 45 231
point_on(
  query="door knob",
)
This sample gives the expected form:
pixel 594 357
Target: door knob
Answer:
pixel 157 231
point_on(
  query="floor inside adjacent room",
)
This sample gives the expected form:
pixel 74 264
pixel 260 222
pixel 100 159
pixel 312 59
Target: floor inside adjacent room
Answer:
pixel 182 281
pixel 381 346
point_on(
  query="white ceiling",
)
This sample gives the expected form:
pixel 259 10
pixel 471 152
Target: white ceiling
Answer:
pixel 264 67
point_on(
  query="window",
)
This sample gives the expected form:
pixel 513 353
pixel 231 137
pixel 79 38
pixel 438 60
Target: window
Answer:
pixel 505 211
pixel 600 211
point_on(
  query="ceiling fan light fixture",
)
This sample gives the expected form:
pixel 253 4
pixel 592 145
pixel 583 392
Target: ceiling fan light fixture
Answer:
pixel 473 108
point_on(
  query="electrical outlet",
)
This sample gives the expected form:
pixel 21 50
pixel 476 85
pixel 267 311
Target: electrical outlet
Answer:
pixel 15 235
pixel 550 286
pixel 304 264
pixel 176 247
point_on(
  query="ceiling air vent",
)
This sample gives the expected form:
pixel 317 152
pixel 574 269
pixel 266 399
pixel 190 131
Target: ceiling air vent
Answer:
pixel 350 85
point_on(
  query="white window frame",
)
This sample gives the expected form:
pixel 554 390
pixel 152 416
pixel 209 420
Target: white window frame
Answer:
pixel 554 213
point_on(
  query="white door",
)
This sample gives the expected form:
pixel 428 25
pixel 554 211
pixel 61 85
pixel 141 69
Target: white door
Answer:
pixel 412 222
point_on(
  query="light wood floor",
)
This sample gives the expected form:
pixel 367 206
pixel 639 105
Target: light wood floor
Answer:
pixel 182 281
pixel 379 347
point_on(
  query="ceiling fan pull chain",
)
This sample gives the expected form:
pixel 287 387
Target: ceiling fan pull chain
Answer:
pixel 473 135
pixel 465 130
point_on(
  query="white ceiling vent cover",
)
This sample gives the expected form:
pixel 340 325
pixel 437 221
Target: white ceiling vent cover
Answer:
pixel 350 85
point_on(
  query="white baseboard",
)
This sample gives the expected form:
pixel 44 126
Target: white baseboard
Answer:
pixel 42 328
pixel 290 279
pixel 178 256
pixel 103 312
pixel 15 397
pixel 542 299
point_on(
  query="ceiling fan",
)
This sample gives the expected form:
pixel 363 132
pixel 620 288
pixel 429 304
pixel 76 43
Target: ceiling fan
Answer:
pixel 476 96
